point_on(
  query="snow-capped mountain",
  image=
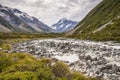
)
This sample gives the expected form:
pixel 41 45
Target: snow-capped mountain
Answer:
pixel 22 21
pixel 64 25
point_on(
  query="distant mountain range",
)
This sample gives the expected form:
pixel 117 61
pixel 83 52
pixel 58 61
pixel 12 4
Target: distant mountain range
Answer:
pixel 64 25
pixel 13 20
pixel 102 23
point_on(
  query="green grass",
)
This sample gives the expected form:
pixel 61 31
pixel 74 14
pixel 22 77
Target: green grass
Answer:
pixel 29 35
pixel 107 10
pixel 8 39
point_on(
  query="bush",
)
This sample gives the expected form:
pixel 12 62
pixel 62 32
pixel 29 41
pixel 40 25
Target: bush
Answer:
pixel 60 69
pixel 45 74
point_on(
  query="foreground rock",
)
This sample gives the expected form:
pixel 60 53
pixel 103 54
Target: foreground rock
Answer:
pixel 96 59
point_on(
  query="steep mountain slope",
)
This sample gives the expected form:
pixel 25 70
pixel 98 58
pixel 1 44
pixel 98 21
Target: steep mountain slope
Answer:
pixel 102 23
pixel 22 21
pixel 32 21
pixel 64 25
pixel 5 26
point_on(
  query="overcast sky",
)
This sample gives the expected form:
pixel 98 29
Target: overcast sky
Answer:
pixel 50 11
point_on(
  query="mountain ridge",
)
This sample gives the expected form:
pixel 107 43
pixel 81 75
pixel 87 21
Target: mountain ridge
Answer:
pixel 22 21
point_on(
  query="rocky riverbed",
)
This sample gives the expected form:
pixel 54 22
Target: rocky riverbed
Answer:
pixel 96 59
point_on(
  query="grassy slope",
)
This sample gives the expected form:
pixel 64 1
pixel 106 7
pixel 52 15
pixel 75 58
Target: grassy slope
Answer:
pixel 106 11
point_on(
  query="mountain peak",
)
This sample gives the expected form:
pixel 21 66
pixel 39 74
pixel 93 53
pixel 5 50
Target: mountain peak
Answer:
pixel 63 25
pixel 62 20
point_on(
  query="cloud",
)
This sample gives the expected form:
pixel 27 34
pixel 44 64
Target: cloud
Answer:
pixel 49 11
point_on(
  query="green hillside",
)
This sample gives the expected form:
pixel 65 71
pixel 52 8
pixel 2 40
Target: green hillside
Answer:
pixel 102 23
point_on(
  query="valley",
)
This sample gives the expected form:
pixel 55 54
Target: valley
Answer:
pixel 59 44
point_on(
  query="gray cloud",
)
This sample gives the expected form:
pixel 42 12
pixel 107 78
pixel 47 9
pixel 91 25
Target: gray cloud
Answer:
pixel 49 11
